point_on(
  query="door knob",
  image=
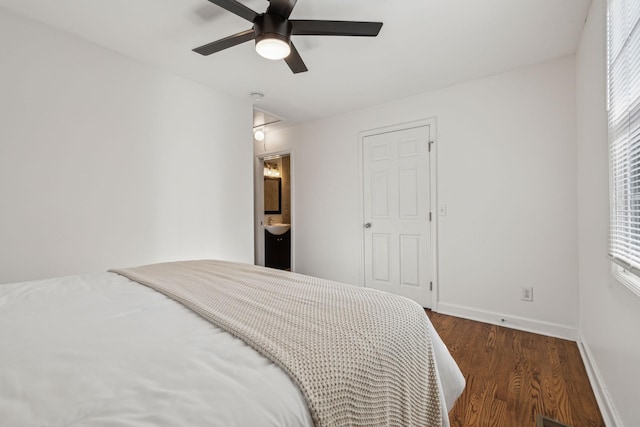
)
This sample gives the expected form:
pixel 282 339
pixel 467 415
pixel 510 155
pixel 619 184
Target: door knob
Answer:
pixel 367 225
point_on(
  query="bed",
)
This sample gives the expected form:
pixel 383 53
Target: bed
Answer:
pixel 105 350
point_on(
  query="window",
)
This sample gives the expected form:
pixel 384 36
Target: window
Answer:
pixel 623 89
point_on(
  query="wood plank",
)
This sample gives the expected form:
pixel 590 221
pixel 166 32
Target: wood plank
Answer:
pixel 512 376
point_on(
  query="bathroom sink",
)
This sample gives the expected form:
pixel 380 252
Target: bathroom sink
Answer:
pixel 277 229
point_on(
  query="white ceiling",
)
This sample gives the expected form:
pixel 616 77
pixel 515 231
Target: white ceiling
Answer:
pixel 423 45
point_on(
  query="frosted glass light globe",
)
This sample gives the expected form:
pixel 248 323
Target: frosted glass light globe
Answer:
pixel 273 48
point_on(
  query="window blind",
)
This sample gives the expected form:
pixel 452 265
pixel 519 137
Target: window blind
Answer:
pixel 623 98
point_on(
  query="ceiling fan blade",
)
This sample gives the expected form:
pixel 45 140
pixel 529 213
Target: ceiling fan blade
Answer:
pixel 226 42
pixel 236 8
pixel 303 27
pixel 281 7
pixel 295 62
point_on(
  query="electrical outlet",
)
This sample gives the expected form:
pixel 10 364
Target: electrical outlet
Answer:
pixel 526 294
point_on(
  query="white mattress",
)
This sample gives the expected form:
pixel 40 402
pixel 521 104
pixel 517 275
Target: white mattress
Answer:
pixel 100 350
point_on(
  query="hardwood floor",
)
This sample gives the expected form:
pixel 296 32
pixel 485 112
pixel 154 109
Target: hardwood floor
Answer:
pixel 512 376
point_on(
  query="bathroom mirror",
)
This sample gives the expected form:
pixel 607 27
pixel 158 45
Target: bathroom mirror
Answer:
pixel 272 195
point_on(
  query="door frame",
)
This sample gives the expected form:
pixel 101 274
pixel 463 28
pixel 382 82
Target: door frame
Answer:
pixel 433 202
pixel 258 197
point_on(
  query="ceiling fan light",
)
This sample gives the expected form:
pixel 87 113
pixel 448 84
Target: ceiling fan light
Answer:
pixel 273 48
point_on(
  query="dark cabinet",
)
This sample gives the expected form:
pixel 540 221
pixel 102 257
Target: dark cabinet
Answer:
pixel 277 250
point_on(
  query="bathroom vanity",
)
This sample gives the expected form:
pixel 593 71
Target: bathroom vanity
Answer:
pixel 277 250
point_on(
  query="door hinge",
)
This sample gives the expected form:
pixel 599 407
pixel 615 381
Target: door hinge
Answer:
pixel 429 216
pixel 430 286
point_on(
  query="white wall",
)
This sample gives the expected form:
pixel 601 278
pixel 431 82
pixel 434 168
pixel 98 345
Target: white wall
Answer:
pixel 106 162
pixel 506 171
pixel 609 312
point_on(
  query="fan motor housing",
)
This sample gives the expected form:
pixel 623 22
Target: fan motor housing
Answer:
pixel 272 27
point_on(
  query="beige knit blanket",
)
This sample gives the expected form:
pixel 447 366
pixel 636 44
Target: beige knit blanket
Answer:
pixel 360 357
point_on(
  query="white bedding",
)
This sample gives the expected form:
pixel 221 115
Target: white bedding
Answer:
pixel 100 350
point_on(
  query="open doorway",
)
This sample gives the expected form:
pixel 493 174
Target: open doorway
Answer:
pixel 273 242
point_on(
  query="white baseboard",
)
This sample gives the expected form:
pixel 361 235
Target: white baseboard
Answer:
pixel 514 322
pixel 607 409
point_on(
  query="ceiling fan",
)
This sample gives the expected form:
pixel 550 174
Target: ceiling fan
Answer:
pixel 273 29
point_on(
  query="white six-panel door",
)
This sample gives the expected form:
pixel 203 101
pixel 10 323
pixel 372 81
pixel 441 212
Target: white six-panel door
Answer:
pixel 397 230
